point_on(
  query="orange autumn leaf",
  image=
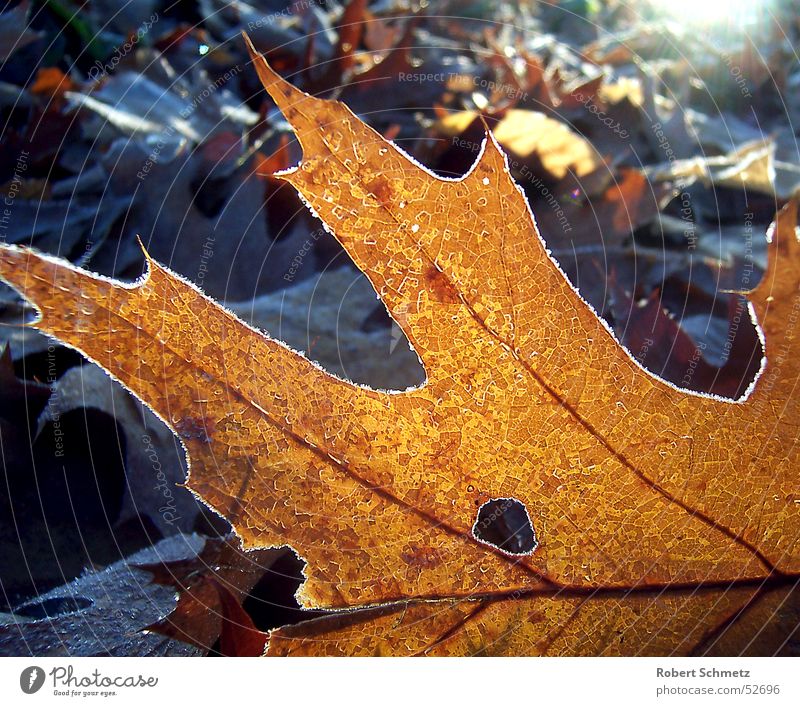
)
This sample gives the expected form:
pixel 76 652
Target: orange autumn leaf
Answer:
pixel 540 493
pixel 51 81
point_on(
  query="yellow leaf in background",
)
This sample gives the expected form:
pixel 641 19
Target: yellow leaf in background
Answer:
pixel 526 133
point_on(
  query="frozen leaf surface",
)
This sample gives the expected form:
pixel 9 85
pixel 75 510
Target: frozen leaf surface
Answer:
pixel 659 516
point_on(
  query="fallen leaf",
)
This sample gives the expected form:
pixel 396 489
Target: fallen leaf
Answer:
pixel 752 166
pixel 603 220
pixel 152 460
pixel 211 587
pixel 653 515
pixel 680 621
pixel 331 317
pixel 176 113
pixel 527 133
pixel 379 35
pixel 349 30
pixel 59 225
pixel 45 540
pixel 659 342
pixel 51 81
pixel 102 612
pixel 630 88
pixel 369 90
pixel 282 204
pixel 193 235
pixel 20 402
pixel 16 31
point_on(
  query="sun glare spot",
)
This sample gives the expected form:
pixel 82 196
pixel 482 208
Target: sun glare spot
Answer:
pixel 737 13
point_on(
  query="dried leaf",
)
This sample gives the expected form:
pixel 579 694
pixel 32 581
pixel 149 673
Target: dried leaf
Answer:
pixel 152 462
pixel 15 30
pixel 526 133
pixel 604 220
pixel 752 166
pixel 634 489
pixel 211 587
pixel 102 612
pixel 688 621
pixel 349 30
pixel 51 81
pixel 659 342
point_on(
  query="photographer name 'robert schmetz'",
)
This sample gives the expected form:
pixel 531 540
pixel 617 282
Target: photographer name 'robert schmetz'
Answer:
pixel 703 672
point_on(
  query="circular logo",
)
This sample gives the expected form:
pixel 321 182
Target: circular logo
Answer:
pixel 31 679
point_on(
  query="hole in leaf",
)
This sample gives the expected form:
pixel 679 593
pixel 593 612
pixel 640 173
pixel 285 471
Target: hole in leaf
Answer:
pixel 53 607
pixel 504 523
pixel 272 603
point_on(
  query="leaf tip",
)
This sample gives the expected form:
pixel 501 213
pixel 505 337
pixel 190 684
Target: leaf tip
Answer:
pixel 492 158
pixel 281 90
pixel 783 238
pixel 146 254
